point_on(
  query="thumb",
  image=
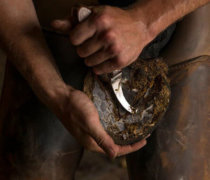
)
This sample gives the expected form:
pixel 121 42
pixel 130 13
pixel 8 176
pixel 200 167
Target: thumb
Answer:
pixel 103 140
pixel 77 14
pixel 106 143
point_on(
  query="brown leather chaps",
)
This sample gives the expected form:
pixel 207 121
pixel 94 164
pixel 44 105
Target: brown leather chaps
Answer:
pixel 180 146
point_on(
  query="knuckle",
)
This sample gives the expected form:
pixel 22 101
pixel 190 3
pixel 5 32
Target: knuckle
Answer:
pixel 120 62
pixel 102 20
pixel 100 141
pixel 109 37
pixel 114 49
pixel 105 9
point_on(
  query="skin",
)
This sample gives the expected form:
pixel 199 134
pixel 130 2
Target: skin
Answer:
pixel 112 38
pixel 107 40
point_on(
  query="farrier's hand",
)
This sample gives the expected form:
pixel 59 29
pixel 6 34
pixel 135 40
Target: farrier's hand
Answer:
pixel 109 39
pixel 80 117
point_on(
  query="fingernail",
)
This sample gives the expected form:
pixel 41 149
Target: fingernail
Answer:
pixel 112 154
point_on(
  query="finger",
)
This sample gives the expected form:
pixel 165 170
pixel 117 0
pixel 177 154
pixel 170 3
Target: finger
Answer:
pixel 93 146
pixel 88 142
pixel 131 148
pixel 89 47
pixel 102 139
pixel 82 32
pixel 105 67
pixel 63 26
pixel 97 58
pixel 107 144
pixel 99 150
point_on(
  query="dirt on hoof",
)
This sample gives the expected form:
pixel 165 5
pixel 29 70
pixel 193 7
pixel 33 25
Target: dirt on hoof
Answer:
pixel 146 88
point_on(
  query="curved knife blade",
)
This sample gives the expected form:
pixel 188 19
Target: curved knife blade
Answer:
pixel 117 88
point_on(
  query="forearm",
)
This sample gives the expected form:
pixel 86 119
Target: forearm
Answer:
pixel 159 14
pixel 22 39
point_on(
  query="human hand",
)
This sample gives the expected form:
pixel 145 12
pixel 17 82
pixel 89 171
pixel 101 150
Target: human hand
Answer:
pixel 109 39
pixel 80 117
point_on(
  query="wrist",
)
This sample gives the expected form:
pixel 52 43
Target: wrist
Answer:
pixel 151 15
pixel 58 98
pixel 142 26
pixel 47 83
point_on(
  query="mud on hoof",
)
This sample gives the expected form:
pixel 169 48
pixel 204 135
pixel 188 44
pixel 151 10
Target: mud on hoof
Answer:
pixel 145 86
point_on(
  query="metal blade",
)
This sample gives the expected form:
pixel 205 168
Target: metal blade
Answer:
pixel 117 88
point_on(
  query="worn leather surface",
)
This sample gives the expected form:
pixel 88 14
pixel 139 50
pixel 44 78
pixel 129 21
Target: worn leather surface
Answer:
pixel 179 148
